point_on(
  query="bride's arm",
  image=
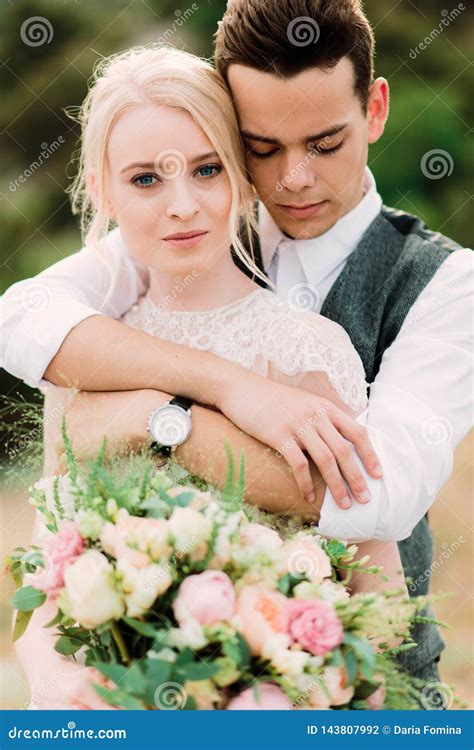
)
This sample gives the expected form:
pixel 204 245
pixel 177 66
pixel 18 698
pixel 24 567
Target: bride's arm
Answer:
pixel 122 416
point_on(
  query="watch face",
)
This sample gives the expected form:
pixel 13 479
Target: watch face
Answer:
pixel 170 425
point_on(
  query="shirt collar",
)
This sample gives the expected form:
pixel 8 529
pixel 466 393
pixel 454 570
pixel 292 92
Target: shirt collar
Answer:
pixel 322 253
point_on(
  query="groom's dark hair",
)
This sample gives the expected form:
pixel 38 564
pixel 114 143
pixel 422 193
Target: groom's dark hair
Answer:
pixel 286 37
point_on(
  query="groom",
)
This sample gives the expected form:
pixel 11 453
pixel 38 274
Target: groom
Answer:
pixel 301 76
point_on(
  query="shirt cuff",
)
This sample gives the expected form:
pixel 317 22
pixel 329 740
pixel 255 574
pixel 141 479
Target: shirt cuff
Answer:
pixel 38 339
pixel 357 523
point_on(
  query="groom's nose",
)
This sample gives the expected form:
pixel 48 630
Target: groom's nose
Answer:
pixel 297 172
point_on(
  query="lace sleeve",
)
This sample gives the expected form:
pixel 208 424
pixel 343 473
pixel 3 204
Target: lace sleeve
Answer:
pixel 304 342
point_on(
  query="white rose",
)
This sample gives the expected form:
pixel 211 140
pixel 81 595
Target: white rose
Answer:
pixel 90 590
pixel 189 528
pixel 141 586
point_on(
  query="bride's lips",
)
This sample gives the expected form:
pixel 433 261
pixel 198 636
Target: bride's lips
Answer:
pixel 303 211
pixel 186 239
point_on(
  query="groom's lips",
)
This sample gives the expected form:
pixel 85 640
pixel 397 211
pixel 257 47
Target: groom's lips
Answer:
pixel 303 211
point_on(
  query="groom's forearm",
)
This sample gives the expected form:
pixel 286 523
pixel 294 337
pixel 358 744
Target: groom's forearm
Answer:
pixel 102 354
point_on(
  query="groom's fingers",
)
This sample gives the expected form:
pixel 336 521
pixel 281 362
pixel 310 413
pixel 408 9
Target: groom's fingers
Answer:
pixel 299 464
pixel 327 464
pixel 343 450
pixel 359 437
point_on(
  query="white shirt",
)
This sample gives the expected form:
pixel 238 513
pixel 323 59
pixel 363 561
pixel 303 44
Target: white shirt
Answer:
pixel 421 399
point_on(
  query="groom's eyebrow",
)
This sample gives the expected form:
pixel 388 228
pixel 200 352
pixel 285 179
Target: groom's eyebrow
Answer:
pixel 307 139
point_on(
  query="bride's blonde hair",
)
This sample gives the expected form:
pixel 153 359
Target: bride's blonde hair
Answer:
pixel 170 77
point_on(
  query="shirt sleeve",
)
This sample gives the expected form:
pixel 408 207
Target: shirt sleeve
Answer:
pixel 420 408
pixel 37 314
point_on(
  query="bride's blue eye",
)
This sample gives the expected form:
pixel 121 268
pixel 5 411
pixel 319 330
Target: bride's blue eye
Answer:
pixel 144 180
pixel 209 170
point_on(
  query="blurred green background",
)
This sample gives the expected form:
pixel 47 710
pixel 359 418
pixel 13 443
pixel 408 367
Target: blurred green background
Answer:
pixel 431 108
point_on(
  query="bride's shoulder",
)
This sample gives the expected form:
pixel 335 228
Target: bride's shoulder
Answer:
pixel 300 321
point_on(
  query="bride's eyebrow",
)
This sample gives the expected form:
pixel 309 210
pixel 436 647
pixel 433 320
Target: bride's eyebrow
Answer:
pixel 152 165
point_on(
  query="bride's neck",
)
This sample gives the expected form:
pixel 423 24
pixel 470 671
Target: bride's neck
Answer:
pixel 200 290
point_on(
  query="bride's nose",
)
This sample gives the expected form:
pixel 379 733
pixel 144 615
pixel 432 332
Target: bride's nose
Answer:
pixel 182 202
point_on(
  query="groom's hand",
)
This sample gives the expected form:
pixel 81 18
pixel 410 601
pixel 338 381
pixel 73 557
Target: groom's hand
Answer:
pixel 303 427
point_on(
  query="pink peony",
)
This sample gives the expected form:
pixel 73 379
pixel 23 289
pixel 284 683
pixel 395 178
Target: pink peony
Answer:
pixel 59 551
pixel 208 597
pixel 259 612
pixel 313 624
pixel 271 698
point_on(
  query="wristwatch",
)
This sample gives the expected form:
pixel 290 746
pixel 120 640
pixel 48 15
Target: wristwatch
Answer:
pixel 170 425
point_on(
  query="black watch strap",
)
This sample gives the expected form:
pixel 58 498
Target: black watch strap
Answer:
pixel 182 401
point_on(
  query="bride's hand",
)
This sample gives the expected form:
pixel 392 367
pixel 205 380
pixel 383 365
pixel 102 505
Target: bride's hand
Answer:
pixel 291 421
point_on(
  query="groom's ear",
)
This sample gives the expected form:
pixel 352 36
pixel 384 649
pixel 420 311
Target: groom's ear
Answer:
pixel 377 109
pixel 94 194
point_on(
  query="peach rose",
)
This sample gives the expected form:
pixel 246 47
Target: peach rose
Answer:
pixel 259 614
pixel 334 692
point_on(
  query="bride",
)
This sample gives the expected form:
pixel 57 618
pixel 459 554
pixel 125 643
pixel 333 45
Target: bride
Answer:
pixel 162 159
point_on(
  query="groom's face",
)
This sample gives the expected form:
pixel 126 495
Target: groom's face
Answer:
pixel 307 142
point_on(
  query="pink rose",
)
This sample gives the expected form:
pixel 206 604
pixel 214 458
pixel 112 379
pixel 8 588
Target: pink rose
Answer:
pixel 59 551
pixel 271 698
pixel 208 597
pixel 259 612
pixel 313 624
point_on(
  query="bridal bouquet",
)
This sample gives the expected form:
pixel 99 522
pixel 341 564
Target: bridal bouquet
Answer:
pixel 181 596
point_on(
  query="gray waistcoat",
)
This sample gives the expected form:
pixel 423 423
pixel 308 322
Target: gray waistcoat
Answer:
pixel 394 261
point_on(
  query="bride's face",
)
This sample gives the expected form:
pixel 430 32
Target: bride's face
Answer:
pixel 164 179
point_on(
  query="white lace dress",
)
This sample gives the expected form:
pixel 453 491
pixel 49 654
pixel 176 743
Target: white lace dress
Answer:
pixel 264 334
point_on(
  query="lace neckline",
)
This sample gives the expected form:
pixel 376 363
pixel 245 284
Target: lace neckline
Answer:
pixel 211 311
